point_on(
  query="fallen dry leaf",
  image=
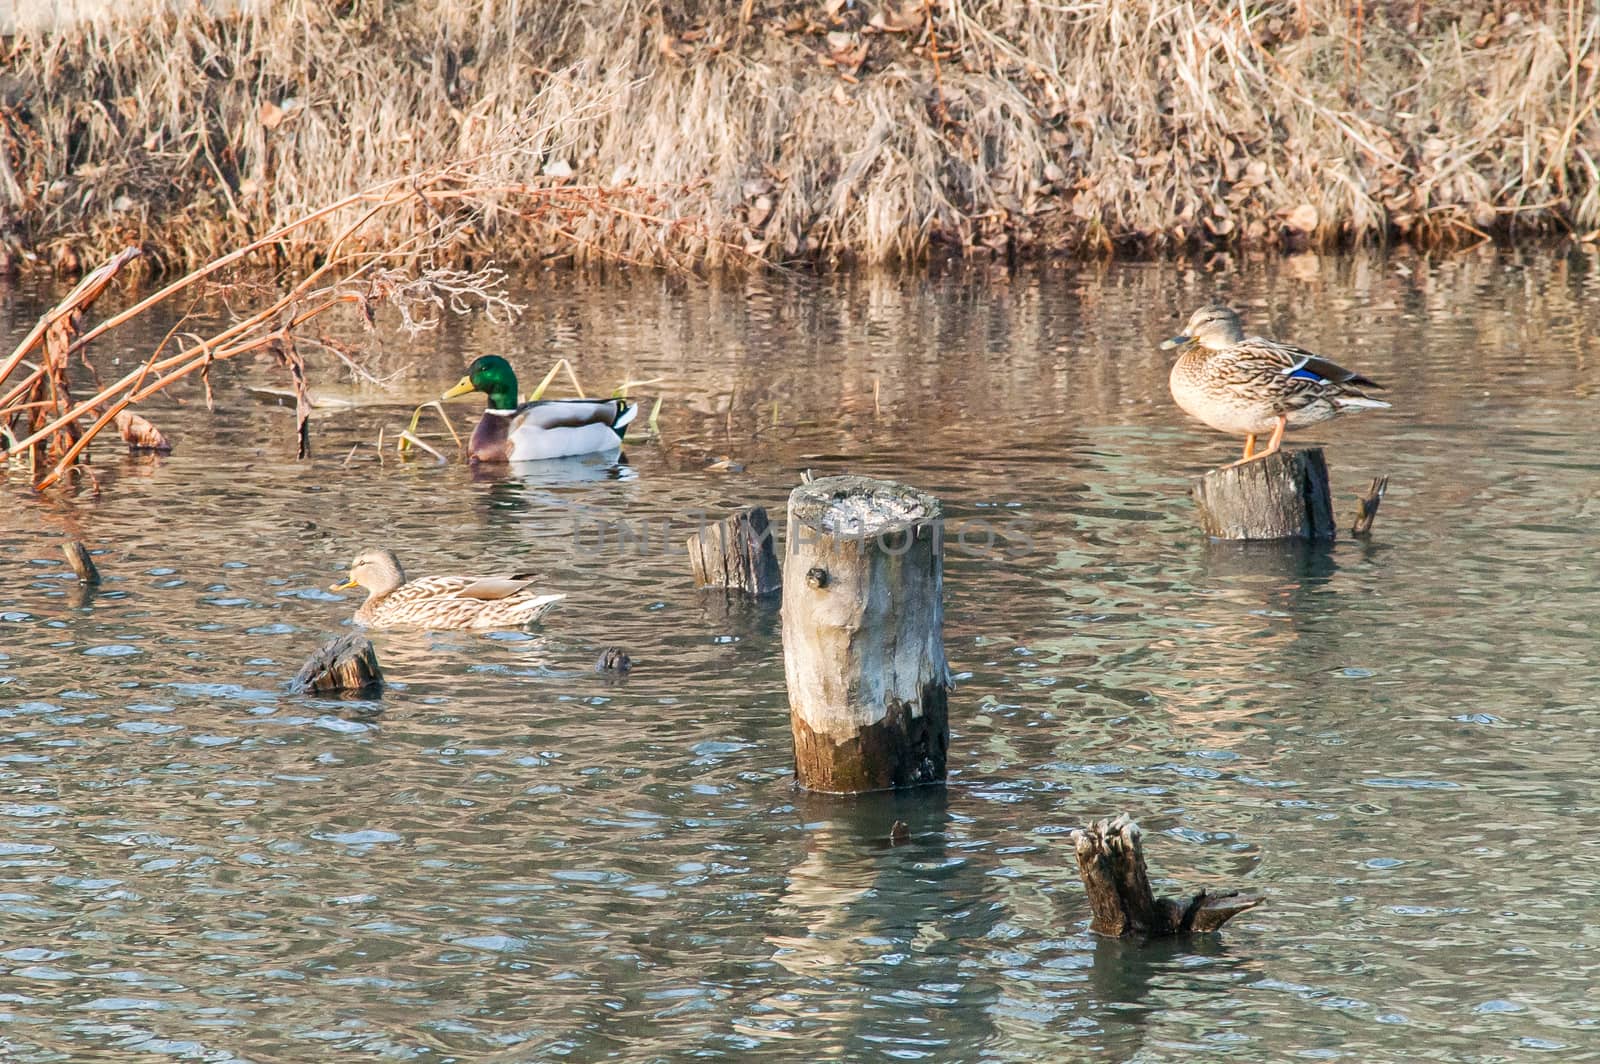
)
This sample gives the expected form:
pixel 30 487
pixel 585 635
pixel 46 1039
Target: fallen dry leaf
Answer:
pixel 759 211
pixel 847 51
pixel 140 434
pixel 910 16
pixel 1303 218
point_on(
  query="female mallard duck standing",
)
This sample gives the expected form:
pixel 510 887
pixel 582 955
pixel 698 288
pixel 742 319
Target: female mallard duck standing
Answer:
pixel 441 601
pixel 544 428
pixel 1250 386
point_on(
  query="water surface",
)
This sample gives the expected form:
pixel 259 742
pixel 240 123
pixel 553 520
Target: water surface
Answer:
pixel 508 857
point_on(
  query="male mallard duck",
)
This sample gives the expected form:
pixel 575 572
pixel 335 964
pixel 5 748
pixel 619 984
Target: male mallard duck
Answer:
pixel 545 428
pixel 1249 386
pixel 441 601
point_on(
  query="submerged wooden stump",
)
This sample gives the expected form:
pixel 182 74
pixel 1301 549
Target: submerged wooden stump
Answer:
pixel 82 564
pixel 613 661
pixel 1282 496
pixel 736 553
pixel 348 663
pixel 1111 862
pixel 863 635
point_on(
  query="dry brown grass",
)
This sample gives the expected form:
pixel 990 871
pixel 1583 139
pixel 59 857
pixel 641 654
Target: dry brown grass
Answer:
pixel 818 129
pixel 46 429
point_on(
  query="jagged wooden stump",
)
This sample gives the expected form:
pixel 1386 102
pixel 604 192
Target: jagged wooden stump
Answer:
pixel 737 553
pixel 78 557
pixel 348 663
pixel 1111 862
pixel 863 635
pixel 1282 496
pixel 613 661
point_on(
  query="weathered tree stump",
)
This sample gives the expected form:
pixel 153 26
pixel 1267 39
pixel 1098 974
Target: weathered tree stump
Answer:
pixel 348 663
pixel 737 553
pixel 863 635
pixel 1111 862
pixel 78 557
pixel 1282 496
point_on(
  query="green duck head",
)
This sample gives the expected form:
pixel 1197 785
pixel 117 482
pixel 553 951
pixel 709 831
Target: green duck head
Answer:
pixel 493 376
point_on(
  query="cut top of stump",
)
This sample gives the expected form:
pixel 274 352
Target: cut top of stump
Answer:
pixel 859 506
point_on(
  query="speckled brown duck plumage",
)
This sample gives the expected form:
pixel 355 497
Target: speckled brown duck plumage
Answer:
pixel 1251 386
pixel 440 602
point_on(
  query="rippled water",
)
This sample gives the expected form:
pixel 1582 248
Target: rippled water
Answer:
pixel 508 857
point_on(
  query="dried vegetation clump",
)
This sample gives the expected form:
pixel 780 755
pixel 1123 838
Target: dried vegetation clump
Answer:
pixel 46 428
pixel 699 132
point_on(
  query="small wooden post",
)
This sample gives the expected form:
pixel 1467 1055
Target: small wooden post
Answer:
pixel 863 635
pixel 1282 496
pixel 736 552
pixel 1111 862
pixel 348 663
pixel 613 661
pixel 78 557
pixel 1369 503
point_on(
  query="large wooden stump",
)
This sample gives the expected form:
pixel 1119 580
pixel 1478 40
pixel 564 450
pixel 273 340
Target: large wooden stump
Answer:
pixel 737 553
pixel 348 663
pixel 863 635
pixel 1111 862
pixel 1282 496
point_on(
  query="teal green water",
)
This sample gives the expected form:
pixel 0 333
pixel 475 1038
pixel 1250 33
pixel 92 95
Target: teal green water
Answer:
pixel 510 858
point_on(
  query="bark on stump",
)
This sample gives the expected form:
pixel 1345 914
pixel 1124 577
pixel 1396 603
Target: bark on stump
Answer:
pixel 863 635
pixel 736 552
pixel 1282 496
pixel 1111 862
pixel 78 557
pixel 348 663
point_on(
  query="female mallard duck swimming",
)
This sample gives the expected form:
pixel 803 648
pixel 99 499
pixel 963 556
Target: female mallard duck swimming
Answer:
pixel 1249 386
pixel 544 428
pixel 441 601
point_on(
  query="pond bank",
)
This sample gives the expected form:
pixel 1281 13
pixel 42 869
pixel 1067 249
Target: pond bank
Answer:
pixel 705 134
